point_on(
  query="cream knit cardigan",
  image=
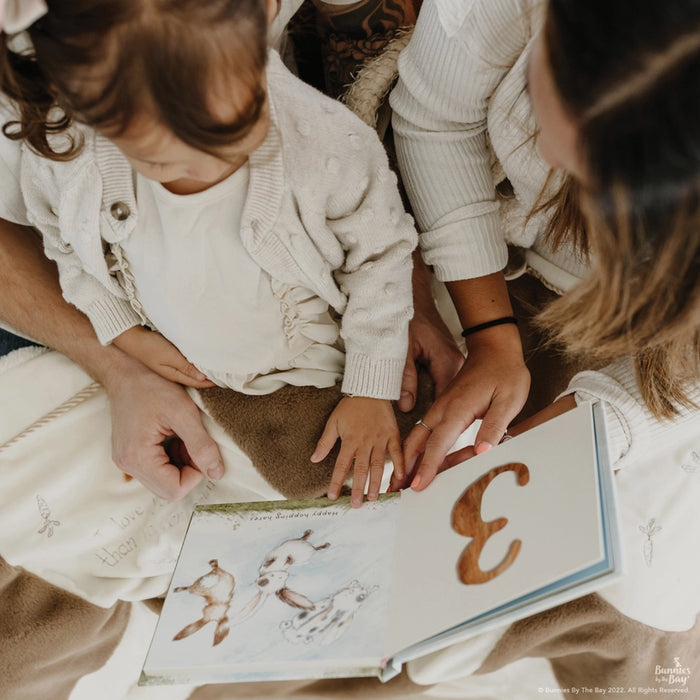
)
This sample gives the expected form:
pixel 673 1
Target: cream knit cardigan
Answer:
pixel 323 211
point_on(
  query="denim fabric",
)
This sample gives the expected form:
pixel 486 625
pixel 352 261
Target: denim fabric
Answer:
pixel 10 342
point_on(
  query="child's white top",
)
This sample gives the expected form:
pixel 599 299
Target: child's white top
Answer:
pixel 237 325
pixel 322 212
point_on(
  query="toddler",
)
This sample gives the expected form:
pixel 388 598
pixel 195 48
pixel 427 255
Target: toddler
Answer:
pixel 201 202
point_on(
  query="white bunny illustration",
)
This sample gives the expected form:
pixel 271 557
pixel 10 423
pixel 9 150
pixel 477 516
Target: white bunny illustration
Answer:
pixel 330 618
pixel 216 587
pixel 291 553
pixel 274 572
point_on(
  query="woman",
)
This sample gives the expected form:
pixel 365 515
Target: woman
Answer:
pixel 593 124
pixel 585 114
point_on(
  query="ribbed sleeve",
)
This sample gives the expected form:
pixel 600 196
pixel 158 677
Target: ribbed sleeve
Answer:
pixel 111 316
pixel 376 378
pixel 457 57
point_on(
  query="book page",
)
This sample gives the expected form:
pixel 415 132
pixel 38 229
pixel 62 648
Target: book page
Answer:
pixel 295 585
pixel 555 516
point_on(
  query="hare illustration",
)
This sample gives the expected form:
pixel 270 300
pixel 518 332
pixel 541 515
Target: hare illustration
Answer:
pixel 274 572
pixel 216 587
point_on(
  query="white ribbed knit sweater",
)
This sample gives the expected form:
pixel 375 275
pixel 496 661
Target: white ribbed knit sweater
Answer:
pixel 460 103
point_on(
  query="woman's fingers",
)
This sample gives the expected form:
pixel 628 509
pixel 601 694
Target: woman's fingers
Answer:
pixel 440 442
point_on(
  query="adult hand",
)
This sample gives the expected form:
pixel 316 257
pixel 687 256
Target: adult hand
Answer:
pixel 147 410
pixel 157 432
pixel 492 385
pixel 431 344
pixel 565 403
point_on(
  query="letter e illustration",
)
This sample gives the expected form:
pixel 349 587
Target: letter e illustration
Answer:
pixel 467 521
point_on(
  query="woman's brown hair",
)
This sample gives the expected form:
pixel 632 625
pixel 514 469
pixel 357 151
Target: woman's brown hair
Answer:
pixel 103 62
pixel 629 77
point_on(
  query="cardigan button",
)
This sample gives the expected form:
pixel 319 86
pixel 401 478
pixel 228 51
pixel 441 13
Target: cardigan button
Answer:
pixel 120 211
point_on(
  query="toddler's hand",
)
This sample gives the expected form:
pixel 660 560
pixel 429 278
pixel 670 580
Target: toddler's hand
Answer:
pixel 160 355
pixel 367 430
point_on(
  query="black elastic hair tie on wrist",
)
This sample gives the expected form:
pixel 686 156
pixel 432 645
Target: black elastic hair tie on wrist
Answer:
pixel 489 324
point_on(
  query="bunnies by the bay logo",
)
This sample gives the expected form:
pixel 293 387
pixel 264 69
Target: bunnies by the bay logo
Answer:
pixel 674 675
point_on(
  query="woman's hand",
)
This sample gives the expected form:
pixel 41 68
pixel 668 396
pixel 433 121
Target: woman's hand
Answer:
pixel 367 429
pixel 160 355
pixel 492 385
pixel 562 405
pixel 157 432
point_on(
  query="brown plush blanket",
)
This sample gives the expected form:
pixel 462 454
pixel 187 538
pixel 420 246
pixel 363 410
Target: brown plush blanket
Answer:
pixel 279 431
pixel 590 644
pixel 50 638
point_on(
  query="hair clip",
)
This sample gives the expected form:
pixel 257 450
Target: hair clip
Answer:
pixel 18 15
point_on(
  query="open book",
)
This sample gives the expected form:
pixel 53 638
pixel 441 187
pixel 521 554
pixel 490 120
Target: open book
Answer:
pixel 313 589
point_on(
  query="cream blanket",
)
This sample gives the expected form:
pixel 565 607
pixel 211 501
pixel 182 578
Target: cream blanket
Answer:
pixel 69 516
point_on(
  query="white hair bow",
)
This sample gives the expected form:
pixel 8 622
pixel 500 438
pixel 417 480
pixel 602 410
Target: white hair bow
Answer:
pixel 17 15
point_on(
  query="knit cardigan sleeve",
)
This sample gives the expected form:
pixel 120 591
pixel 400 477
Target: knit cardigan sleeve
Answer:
pixel 12 207
pixel 460 52
pixel 378 237
pixel 356 243
pixel 64 205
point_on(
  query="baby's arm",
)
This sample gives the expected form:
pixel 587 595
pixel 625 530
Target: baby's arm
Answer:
pixel 367 429
pixel 160 355
pixel 365 213
pixel 88 284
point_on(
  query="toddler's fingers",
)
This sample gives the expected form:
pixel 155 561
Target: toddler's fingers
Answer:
pixel 193 377
pixel 325 442
pixel 340 471
pixel 376 471
pixel 190 371
pixel 359 476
